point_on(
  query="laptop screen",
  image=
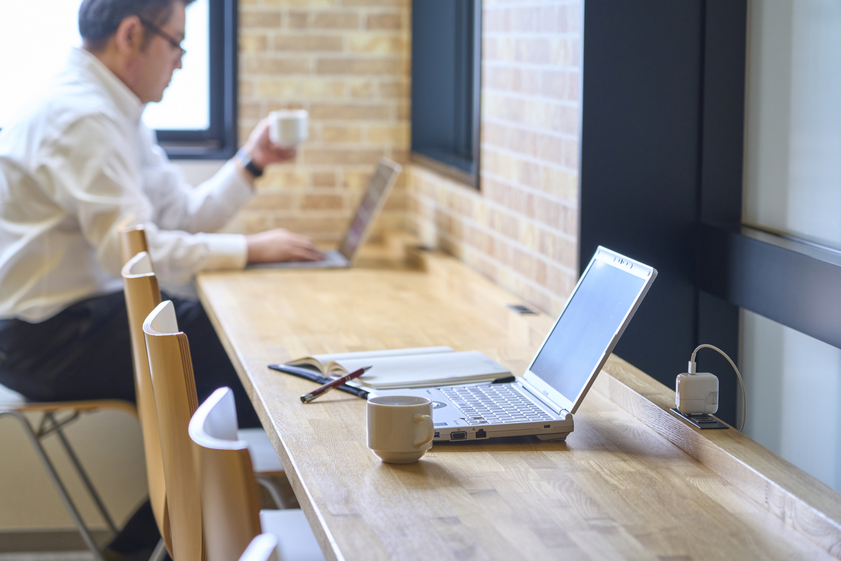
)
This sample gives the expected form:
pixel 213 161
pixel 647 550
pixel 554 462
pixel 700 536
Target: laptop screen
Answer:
pixel 589 325
pixel 380 182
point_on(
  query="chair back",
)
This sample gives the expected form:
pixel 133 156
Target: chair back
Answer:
pixel 132 242
pixel 261 548
pixel 142 296
pixel 230 499
pixel 174 388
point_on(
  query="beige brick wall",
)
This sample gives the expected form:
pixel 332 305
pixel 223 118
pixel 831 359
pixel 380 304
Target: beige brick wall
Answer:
pixel 348 63
pixel 521 228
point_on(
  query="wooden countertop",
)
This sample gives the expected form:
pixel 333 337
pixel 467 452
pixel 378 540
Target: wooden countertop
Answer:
pixel 631 482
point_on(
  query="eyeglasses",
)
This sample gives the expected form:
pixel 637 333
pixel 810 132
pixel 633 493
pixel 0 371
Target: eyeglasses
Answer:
pixel 169 38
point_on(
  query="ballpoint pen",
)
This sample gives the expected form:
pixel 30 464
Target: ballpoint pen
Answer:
pixel 315 376
pixel 321 390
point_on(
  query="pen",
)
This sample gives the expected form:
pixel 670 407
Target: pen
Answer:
pixel 318 392
pixel 312 376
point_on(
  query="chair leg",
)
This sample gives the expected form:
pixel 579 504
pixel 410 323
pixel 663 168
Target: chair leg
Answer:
pixel 272 489
pixel 82 474
pixel 62 491
pixel 160 552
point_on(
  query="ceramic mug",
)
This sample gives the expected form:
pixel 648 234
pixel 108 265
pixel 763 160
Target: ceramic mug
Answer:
pixel 288 127
pixel 400 428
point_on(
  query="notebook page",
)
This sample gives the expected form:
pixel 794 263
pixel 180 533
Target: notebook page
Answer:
pixel 426 369
pixel 326 359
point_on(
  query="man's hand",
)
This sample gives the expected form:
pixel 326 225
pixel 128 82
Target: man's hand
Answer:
pixel 261 149
pixel 277 245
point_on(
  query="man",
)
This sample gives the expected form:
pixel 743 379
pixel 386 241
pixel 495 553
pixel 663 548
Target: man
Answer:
pixel 95 168
pixel 81 165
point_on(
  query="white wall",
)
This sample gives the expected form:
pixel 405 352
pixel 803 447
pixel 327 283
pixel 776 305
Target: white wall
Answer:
pixel 793 185
pixel 793 149
pixel 793 385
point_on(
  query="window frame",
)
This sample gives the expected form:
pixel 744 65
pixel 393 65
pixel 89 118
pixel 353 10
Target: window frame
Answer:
pixel 465 103
pixel 219 141
pixel 673 196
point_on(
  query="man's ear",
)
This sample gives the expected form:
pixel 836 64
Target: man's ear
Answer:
pixel 129 35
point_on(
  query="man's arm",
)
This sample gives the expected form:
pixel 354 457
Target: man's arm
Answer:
pixel 95 178
pixel 209 206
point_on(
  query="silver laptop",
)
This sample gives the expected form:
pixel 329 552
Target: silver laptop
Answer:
pixel 542 402
pixel 380 184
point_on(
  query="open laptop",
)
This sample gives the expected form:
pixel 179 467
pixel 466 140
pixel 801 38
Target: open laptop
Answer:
pixel 380 184
pixel 542 402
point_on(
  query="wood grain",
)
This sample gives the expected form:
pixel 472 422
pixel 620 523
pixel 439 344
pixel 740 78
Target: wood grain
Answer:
pixel 628 483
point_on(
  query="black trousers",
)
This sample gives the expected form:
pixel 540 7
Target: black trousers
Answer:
pixel 84 352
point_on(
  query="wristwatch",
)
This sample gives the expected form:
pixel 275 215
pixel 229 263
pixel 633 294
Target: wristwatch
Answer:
pixel 247 163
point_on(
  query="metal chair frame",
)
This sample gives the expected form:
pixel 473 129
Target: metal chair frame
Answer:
pixel 50 424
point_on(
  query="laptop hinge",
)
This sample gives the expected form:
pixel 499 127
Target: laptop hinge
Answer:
pixel 558 410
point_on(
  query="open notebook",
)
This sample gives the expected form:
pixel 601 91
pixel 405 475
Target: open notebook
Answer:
pixel 408 368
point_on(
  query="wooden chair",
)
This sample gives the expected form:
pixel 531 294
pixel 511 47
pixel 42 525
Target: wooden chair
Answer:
pixel 174 389
pixel 261 548
pixel 230 507
pixel 267 464
pixel 54 417
pixel 142 295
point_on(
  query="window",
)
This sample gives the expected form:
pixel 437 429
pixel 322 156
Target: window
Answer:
pixel 709 150
pixel 197 116
pixel 446 61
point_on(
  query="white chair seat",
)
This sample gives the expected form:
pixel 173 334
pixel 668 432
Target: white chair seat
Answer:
pixel 263 457
pixel 10 398
pixel 293 532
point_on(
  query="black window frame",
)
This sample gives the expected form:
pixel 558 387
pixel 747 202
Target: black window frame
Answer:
pixel 446 99
pixel 219 141
pixel 668 115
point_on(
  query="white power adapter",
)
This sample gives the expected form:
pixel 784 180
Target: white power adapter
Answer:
pixel 696 394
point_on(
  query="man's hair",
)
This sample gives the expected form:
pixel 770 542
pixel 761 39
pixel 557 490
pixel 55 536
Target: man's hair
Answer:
pixel 99 19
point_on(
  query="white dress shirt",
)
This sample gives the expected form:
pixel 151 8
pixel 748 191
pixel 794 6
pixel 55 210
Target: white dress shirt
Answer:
pixel 80 165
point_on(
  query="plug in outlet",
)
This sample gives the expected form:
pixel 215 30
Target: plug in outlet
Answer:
pixel 696 394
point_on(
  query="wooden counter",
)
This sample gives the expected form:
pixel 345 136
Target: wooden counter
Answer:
pixel 631 482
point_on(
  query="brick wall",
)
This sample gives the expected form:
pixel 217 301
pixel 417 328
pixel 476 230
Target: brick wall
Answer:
pixel 347 62
pixel 521 228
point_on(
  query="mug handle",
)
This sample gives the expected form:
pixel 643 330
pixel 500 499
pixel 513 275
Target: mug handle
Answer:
pixel 430 430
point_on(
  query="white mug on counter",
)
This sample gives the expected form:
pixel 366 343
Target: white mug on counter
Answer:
pixel 400 428
pixel 288 127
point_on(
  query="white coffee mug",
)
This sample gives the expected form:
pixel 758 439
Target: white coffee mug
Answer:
pixel 288 127
pixel 400 428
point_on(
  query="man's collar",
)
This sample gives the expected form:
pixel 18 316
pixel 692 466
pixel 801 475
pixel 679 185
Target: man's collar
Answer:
pixel 123 97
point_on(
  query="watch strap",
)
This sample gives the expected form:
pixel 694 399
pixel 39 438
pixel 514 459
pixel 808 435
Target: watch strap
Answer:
pixel 248 164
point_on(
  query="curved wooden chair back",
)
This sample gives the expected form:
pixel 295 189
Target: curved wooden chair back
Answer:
pixel 261 548
pixel 132 242
pixel 174 388
pixel 230 499
pixel 142 296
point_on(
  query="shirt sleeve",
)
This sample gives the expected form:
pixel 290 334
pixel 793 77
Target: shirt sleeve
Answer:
pixel 95 176
pixel 180 206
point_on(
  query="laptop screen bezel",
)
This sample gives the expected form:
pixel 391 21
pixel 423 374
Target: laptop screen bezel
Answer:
pixel 611 258
pixel 395 170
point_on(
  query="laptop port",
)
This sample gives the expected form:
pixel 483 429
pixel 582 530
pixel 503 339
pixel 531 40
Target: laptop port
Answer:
pixel 481 433
pixel 437 434
pixel 458 435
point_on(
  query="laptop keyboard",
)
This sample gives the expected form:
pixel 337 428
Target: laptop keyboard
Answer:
pixel 495 404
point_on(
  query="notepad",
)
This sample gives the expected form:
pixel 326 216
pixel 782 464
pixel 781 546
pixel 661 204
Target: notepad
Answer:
pixel 408 368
